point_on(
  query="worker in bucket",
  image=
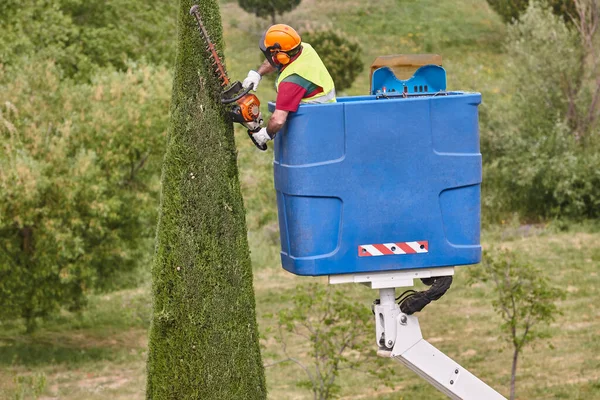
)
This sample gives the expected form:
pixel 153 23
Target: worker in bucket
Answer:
pixel 302 76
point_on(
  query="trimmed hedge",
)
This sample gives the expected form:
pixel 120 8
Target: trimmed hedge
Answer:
pixel 204 337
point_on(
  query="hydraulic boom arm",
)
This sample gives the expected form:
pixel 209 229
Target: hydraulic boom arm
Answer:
pixel 398 336
pixel 428 362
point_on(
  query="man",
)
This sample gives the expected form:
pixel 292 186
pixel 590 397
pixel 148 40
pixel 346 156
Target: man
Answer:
pixel 302 76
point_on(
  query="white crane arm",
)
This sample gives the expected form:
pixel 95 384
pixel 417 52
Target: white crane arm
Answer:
pixel 438 369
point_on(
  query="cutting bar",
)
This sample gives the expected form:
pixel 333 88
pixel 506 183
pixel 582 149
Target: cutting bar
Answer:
pixel 220 69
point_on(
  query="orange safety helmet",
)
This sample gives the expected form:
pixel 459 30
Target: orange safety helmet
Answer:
pixel 279 43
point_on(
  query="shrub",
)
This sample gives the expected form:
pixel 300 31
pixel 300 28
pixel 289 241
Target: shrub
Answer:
pixel 341 56
pixel 82 36
pixel 268 8
pixel 78 168
pixel 510 10
pixel 523 298
pixel 536 162
pixel 336 333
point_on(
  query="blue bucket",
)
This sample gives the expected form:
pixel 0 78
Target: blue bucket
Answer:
pixel 375 183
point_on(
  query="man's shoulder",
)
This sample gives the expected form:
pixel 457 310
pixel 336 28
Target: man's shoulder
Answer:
pixel 298 80
pixel 294 78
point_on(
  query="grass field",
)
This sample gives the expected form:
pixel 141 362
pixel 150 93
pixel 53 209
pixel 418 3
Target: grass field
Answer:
pixel 100 353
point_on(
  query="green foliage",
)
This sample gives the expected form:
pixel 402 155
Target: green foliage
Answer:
pixel 544 62
pixel 84 35
pixel 77 163
pixel 268 8
pixel 338 330
pixel 511 10
pixel 29 386
pixel 523 298
pixel 538 161
pixel 341 55
pixel 203 336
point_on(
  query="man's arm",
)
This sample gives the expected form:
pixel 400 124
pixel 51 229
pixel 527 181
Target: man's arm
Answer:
pixel 254 77
pixel 266 68
pixel 288 98
pixel 276 122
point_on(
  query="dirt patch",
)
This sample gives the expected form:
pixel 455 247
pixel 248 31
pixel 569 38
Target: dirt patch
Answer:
pixel 110 382
pixel 469 353
pixel 103 382
pixel 370 394
pixel 279 279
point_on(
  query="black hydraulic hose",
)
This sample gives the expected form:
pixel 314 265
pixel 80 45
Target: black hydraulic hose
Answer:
pixel 417 301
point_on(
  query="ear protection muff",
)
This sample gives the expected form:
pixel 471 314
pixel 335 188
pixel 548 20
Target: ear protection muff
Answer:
pixel 282 57
pixel 279 56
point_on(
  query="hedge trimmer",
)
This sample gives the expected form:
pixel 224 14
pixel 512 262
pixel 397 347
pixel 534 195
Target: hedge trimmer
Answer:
pixel 243 107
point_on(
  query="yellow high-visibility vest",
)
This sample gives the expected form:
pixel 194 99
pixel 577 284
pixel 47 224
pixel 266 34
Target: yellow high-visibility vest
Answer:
pixel 309 66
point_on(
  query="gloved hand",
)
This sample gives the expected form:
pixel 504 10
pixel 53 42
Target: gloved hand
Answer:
pixel 254 126
pixel 252 79
pixel 261 137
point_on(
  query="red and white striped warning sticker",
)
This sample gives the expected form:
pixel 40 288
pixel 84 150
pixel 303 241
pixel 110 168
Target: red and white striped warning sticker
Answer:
pixel 388 249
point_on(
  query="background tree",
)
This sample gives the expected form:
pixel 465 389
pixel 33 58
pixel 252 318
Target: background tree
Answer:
pixel 339 332
pixel 81 36
pixel 341 56
pixel 546 121
pixel 203 337
pixel 268 8
pixel 510 10
pixel 77 163
pixel 523 298
pixel 584 111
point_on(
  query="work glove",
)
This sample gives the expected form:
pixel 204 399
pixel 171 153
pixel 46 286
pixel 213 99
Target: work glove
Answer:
pixel 261 138
pixel 252 79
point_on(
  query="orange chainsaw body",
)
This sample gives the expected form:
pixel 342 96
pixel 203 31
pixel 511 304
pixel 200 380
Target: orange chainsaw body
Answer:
pixel 249 107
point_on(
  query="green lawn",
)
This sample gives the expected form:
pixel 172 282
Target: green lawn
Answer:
pixel 100 354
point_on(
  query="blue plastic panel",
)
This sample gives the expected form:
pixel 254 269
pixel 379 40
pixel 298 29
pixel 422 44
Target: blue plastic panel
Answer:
pixel 427 79
pixel 372 171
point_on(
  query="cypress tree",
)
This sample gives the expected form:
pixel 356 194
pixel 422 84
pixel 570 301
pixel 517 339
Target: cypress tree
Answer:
pixel 203 337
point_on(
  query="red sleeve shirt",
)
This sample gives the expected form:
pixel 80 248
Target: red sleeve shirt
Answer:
pixel 289 96
pixel 292 90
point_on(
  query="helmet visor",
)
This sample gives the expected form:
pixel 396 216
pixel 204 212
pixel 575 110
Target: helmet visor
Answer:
pixel 268 51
